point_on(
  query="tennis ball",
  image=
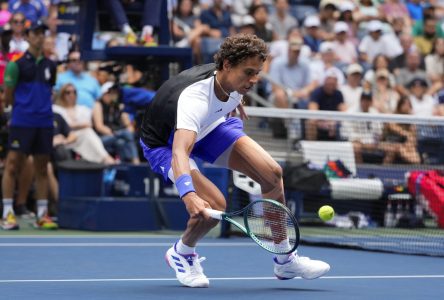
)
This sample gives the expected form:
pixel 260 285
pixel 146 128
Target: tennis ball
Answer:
pixel 326 213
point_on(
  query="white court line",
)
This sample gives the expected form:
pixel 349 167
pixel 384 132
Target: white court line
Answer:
pixel 103 236
pixel 240 244
pixel 216 278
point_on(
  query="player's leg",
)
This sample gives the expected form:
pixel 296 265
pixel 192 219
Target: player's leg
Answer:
pixel 181 257
pixel 251 159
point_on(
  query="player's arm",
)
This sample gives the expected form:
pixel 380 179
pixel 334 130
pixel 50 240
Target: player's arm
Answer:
pixel 183 143
pixel 10 81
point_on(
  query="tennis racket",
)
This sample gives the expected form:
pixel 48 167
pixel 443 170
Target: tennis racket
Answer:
pixel 269 223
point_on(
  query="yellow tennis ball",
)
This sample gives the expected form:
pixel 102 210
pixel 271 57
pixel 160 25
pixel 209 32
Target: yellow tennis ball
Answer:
pixel 326 213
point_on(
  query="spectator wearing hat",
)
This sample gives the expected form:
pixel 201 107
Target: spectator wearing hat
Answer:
pixel 343 47
pixel 291 76
pixel 352 89
pixel 412 70
pixel 114 126
pixel 312 36
pixel 327 61
pixel 423 104
pixel 281 20
pixel 325 97
pixel 376 42
pixel 248 25
pixel 385 97
pixel 366 137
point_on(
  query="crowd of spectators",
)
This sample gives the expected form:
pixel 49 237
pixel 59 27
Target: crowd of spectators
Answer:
pixel 373 56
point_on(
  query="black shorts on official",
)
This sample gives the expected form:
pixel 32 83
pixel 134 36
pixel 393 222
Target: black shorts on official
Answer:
pixel 31 140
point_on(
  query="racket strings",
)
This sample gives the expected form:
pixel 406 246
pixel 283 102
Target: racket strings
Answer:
pixel 272 227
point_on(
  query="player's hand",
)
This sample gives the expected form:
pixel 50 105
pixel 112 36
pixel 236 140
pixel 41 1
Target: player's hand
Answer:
pixel 196 206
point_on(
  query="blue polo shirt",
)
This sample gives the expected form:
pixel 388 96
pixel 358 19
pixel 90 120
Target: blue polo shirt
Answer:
pixel 32 80
pixel 88 88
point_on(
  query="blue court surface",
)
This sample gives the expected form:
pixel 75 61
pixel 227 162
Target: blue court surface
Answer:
pixel 133 267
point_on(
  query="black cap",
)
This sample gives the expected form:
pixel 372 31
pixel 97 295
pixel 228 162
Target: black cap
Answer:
pixel 367 95
pixel 38 25
pixel 418 81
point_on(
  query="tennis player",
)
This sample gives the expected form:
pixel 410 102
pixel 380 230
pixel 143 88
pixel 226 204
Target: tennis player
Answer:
pixel 190 117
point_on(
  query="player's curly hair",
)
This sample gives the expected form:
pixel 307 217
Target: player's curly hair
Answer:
pixel 238 48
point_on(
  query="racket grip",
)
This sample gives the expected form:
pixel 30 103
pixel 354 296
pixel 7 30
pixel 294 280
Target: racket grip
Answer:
pixel 215 214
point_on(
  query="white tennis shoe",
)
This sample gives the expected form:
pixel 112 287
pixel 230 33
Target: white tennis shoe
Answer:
pixel 300 266
pixel 188 270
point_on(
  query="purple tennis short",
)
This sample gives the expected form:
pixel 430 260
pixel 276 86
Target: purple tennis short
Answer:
pixel 208 149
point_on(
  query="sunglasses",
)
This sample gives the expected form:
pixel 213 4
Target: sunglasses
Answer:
pixel 18 21
pixel 69 92
pixel 73 59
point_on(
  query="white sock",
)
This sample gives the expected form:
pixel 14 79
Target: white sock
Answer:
pixel 147 30
pixel 7 207
pixel 42 207
pixel 283 246
pixel 183 249
pixel 126 29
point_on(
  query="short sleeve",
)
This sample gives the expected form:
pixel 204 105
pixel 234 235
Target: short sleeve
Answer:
pixel 11 74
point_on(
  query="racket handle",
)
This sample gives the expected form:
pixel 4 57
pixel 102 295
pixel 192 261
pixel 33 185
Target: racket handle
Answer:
pixel 215 214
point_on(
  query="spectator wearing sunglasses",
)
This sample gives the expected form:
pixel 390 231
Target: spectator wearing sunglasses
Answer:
pixel 88 88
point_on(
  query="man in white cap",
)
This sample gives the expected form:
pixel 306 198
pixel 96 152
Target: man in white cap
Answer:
pixel 327 61
pixel 376 42
pixel 352 89
pixel 325 97
pixel 312 34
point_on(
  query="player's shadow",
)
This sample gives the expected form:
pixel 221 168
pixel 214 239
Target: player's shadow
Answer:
pixel 223 291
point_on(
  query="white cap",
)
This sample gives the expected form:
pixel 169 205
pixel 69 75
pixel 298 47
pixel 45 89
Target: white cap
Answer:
pixel 333 72
pixel 374 25
pixel 106 87
pixel 247 20
pixel 326 47
pixel 354 68
pixel 346 6
pixel 312 21
pixel 340 26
